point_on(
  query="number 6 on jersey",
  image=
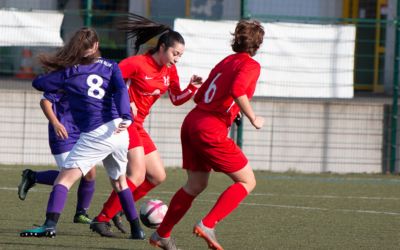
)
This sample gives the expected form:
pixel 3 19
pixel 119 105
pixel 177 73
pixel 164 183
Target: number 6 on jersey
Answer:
pixel 210 93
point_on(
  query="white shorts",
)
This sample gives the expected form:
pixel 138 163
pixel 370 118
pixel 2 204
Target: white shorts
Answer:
pixel 60 159
pixel 101 144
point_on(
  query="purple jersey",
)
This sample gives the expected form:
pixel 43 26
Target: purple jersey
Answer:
pixel 63 113
pixel 96 92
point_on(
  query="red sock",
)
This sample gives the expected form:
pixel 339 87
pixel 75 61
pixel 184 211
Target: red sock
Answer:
pixel 179 205
pixel 142 189
pixel 226 203
pixel 112 206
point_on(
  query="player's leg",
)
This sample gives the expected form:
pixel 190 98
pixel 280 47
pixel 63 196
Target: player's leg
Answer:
pixel 30 177
pixel 179 205
pixel 56 203
pixel 244 183
pixel 155 174
pixel 84 197
pixel 111 208
pixel 115 165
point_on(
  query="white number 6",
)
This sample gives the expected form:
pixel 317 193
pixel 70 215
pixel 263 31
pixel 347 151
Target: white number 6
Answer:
pixel 210 93
pixel 95 90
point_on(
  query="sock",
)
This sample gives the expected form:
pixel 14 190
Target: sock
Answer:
pixel 128 204
pixel 52 219
pixel 225 204
pixel 85 195
pixel 142 189
pixel 179 205
pixel 113 205
pixel 57 199
pixel 46 177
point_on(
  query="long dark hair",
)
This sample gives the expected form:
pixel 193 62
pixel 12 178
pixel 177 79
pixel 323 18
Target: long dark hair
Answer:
pixel 73 52
pixel 248 36
pixel 142 30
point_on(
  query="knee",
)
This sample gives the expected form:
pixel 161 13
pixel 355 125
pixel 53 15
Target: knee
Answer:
pixel 158 178
pixel 249 184
pixel 195 188
pixel 137 178
pixel 119 184
pixel 91 175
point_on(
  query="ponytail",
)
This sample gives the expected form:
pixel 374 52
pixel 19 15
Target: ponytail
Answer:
pixel 143 29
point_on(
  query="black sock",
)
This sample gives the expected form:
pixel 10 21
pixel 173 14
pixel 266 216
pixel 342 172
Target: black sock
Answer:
pixel 52 219
pixel 135 223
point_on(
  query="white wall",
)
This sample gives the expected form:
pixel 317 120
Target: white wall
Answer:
pixel 305 136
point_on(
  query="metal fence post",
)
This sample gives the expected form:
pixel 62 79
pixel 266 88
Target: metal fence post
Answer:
pixel 88 16
pixel 244 14
pixel 393 155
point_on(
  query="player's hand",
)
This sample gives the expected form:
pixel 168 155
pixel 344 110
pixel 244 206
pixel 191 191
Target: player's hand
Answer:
pixel 196 81
pixel 123 126
pixel 60 130
pixel 134 108
pixel 258 122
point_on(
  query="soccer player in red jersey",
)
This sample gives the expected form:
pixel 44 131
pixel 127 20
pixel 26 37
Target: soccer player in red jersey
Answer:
pixel 205 142
pixel 148 77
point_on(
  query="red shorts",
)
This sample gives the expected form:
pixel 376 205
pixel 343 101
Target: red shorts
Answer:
pixel 206 145
pixel 138 137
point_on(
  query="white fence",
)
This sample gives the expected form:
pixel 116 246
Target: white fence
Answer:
pixel 299 135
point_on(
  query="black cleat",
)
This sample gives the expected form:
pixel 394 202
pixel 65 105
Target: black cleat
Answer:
pixel 27 182
pixel 102 228
pixel 117 220
pixel 137 232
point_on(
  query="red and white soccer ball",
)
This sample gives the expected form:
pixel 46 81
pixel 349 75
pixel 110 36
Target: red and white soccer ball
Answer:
pixel 152 213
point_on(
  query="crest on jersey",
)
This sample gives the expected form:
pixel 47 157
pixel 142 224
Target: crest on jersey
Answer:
pixel 166 80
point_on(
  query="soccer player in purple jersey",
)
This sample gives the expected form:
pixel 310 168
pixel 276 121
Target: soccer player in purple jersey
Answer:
pixel 63 134
pixel 100 107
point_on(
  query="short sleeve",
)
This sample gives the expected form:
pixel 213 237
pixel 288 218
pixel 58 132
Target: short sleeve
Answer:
pixel 51 97
pixel 128 68
pixel 246 76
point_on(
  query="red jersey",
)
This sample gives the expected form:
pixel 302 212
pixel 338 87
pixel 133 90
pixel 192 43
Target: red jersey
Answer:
pixel 234 76
pixel 147 81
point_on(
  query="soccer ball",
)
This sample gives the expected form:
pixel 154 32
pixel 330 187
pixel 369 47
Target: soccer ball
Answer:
pixel 152 213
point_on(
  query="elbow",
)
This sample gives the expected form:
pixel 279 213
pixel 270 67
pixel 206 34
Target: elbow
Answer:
pixel 177 103
pixel 36 83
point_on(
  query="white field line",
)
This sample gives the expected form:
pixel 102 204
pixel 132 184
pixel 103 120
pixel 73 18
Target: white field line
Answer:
pixel 308 196
pixel 252 204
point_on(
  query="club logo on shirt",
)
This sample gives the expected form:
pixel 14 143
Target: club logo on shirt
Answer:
pixel 166 80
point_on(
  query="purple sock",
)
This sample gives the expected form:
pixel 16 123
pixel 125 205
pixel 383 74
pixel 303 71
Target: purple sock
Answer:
pixel 46 177
pixel 128 204
pixel 57 199
pixel 85 195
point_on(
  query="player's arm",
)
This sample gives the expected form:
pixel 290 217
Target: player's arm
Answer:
pixel 244 79
pixel 49 82
pixel 178 96
pixel 128 70
pixel 47 109
pixel 244 105
pixel 121 99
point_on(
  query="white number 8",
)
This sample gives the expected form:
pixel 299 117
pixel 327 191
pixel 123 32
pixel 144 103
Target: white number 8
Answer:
pixel 212 89
pixel 95 90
